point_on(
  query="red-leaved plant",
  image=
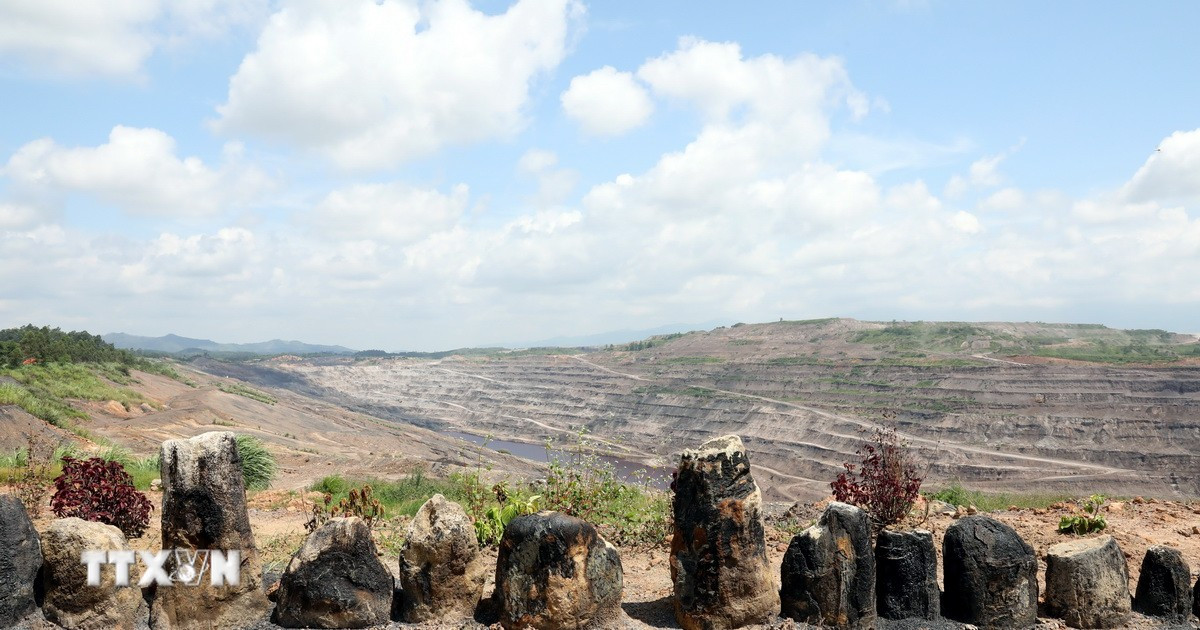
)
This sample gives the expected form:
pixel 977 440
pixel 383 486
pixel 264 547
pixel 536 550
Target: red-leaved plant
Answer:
pixel 886 483
pixel 97 490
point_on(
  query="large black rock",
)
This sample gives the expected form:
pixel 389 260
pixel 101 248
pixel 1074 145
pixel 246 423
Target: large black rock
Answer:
pixel 990 575
pixel 554 571
pixel 1164 586
pixel 719 566
pixel 20 559
pixel 828 572
pixel 335 580
pixel 906 575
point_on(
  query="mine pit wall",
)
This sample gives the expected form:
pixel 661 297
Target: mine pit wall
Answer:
pixel 1138 429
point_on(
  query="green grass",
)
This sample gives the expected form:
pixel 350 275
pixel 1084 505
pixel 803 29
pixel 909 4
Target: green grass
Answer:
pixel 399 498
pixel 258 464
pixel 956 494
pixel 1097 352
pixel 691 360
pixel 248 392
pixel 809 322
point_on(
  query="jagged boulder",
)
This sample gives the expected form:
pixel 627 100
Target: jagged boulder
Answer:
pixel 1196 598
pixel 441 570
pixel 990 575
pixel 1164 586
pixel 1087 583
pixel 555 572
pixel 204 507
pixel 69 601
pixel 20 559
pixel 828 572
pixel 906 575
pixel 718 562
pixel 335 580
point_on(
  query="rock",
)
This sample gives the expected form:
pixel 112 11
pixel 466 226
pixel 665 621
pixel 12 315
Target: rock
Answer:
pixel 719 566
pixel 204 507
pixel 156 485
pixel 1087 583
pixel 20 559
pixel 335 580
pixel 441 570
pixel 69 601
pixel 1196 598
pixel 941 507
pixel 906 575
pixel 990 575
pixel 554 571
pixel 828 572
pixel 1164 586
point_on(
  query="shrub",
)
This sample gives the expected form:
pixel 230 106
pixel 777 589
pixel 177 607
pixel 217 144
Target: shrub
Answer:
pixel 885 484
pixel 258 464
pixel 1090 520
pixel 359 502
pixel 101 491
pixel 489 528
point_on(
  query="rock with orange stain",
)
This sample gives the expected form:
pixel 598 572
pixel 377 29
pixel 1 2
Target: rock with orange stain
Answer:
pixel 553 571
pixel 722 578
pixel 828 572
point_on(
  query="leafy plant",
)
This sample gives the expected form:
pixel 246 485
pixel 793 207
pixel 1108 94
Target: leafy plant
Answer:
pixel 258 464
pixel 101 491
pixel 885 484
pixel 490 527
pixel 32 479
pixel 1088 521
pixel 359 502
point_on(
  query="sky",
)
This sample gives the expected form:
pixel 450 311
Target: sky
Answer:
pixel 423 175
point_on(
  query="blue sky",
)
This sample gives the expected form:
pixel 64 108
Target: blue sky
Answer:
pixel 422 175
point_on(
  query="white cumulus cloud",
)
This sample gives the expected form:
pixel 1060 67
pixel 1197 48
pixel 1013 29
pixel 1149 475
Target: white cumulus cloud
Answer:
pixel 138 171
pixel 110 38
pixel 606 102
pixel 391 213
pixel 372 84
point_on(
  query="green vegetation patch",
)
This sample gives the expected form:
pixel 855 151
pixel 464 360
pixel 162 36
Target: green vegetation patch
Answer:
pixel 956 494
pixel 691 360
pixel 242 390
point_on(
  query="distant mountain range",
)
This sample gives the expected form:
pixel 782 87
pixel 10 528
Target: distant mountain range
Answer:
pixel 175 343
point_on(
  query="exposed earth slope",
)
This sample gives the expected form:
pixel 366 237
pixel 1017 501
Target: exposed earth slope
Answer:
pixel 986 404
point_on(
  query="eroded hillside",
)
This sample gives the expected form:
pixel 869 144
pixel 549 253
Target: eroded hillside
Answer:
pixel 981 403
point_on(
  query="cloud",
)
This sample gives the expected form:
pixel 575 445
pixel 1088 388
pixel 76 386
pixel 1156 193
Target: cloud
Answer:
pixel 1171 173
pixel 373 84
pixel 138 171
pixel 111 38
pixel 554 184
pixel 394 213
pixel 606 102
pixel 16 217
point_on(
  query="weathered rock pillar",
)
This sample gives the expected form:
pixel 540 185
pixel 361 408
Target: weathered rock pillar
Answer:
pixel 990 575
pixel 204 507
pixel 718 558
pixel 555 572
pixel 441 570
pixel 335 580
pixel 906 575
pixel 1163 588
pixel 828 572
pixel 1087 583
pixel 20 559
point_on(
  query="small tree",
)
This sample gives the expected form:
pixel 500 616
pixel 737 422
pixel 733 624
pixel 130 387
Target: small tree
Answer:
pixel 885 484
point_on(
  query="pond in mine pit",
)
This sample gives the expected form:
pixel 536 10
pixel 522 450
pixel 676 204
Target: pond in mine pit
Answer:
pixel 627 471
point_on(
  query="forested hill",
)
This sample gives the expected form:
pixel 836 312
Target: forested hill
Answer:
pixel 31 344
